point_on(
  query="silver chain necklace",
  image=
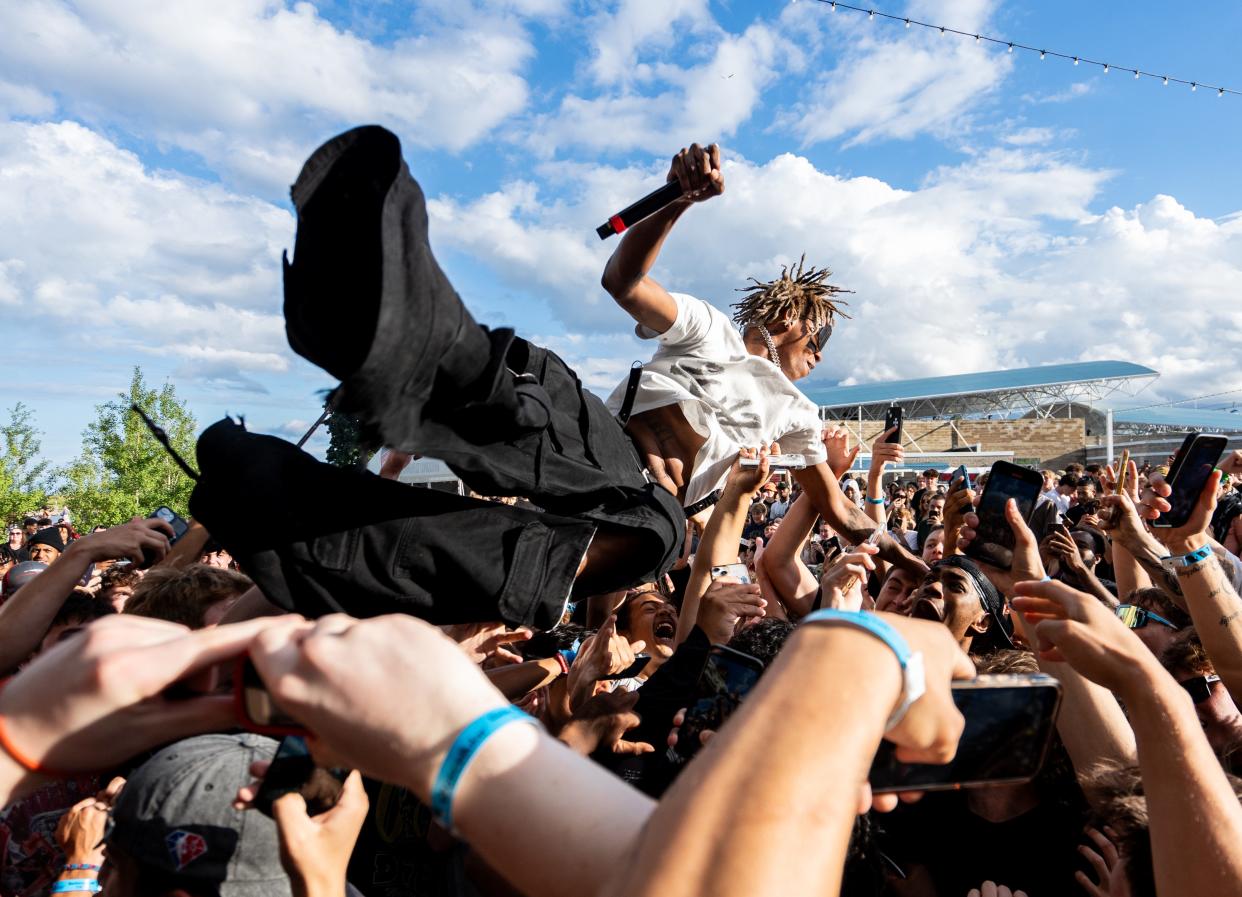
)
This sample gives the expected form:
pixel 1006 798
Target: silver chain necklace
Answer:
pixel 773 355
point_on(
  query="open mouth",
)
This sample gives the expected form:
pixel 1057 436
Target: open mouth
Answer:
pixel 926 609
pixel 665 629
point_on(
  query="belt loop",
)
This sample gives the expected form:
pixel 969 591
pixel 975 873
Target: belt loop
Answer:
pixel 631 392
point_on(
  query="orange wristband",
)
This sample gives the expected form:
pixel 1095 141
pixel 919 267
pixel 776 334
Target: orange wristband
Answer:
pixel 21 759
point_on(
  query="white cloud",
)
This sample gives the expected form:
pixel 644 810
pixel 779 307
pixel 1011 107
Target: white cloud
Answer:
pixel 642 25
pixel 148 262
pixel 997 262
pixel 254 85
pixel 894 83
pixel 674 105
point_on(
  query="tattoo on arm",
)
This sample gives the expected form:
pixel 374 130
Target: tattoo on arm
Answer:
pixel 1226 619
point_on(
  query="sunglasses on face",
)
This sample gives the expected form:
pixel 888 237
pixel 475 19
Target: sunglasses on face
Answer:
pixel 1200 687
pixel 1136 617
pixel 820 339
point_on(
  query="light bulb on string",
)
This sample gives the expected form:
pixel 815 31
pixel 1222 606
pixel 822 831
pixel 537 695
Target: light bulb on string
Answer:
pixel 834 6
pixel 871 15
pixel 976 38
pixel 1220 91
pixel 1043 53
pixel 1193 86
pixel 907 23
pixel 1166 80
pixel 1106 68
pixel 942 31
pixel 1075 60
pixel 1136 74
pixel 1011 48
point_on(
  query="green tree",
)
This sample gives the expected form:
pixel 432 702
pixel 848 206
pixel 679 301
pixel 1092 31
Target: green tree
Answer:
pixel 344 441
pixel 24 476
pixel 123 471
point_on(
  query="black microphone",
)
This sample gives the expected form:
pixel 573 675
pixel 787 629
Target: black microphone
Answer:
pixel 648 205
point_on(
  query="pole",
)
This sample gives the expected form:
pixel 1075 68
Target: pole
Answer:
pixel 1108 436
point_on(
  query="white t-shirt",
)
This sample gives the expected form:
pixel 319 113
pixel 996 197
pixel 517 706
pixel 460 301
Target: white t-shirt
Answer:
pixel 731 398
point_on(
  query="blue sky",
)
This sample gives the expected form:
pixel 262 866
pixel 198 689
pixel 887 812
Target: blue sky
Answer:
pixel 988 209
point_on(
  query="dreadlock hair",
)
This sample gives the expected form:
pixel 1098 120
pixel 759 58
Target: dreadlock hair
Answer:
pixel 797 295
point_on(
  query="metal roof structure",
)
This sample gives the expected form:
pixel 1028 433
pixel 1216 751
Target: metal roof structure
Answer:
pixel 1041 390
pixel 1177 418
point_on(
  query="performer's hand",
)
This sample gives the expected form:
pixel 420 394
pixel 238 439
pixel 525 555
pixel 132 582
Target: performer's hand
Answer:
pixel 698 170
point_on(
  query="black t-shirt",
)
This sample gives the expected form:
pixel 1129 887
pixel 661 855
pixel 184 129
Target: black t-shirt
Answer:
pixel 1036 852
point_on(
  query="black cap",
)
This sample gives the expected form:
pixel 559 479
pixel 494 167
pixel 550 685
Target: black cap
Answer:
pixel 993 603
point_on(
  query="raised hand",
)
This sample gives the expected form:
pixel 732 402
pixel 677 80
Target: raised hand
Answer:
pixel 698 170
pixel 882 452
pixel 603 654
pixel 1106 862
pixel 749 480
pixel 727 603
pixel 602 722
pixel 141 540
pixel 842 583
pixel 315 850
pixel 992 889
pixel 840 456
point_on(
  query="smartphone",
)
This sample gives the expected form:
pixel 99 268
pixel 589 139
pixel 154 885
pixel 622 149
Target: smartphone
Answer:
pixel 726 678
pixel 993 543
pixel 778 462
pixel 292 770
pixel 173 519
pixel 1191 467
pixel 737 571
pixel 893 418
pixel 254 707
pixel 1009 724
pixel 639 664
pixel 960 474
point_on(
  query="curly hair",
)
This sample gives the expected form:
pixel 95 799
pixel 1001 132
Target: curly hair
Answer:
pixel 797 295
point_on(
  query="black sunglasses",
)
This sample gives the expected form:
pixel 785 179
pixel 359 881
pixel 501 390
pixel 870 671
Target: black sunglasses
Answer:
pixel 820 339
pixel 1200 687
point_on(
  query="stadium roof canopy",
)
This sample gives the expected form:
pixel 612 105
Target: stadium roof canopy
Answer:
pixel 1040 389
pixel 1178 418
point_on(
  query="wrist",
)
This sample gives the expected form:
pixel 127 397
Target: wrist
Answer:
pixel 857 650
pixel 1187 545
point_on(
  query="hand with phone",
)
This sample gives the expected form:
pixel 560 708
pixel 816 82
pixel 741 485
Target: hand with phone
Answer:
pixel 884 450
pixel 315 843
pixel 751 470
pixel 958 504
pixel 139 541
pixel 1169 501
pixel 842 582
pixel 726 605
pixel 988 536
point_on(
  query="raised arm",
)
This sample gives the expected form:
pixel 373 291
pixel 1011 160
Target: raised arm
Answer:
pixel 849 520
pixel 721 536
pixel 882 454
pixel 25 617
pixel 791 582
pixel 1182 780
pixel 626 274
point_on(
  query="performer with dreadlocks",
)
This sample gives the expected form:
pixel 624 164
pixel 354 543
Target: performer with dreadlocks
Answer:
pixel 711 390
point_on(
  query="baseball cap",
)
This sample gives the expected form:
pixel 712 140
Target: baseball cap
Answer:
pixel 992 600
pixel 20 574
pixel 175 815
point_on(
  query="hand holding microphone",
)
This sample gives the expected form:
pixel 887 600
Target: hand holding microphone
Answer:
pixel 693 175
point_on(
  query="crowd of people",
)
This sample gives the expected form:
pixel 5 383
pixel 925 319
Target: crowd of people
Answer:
pixel 499 687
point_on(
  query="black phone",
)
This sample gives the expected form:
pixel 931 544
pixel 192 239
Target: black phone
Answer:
pixel 893 418
pixel 293 769
pixel 726 678
pixel 993 543
pixel 173 519
pixel 640 662
pixel 1009 724
pixel 1191 467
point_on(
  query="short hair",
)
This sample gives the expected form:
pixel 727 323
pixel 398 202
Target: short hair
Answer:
pixel 623 612
pixel 1068 480
pixel 185 595
pixel 762 640
pixel 82 607
pixel 1185 653
pixel 1008 661
pixel 1156 601
pixel 931 473
pixel 797 295
pixel 120 576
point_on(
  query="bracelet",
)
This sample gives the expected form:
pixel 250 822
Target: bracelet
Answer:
pixel 562 662
pixel 79 867
pixel 1177 563
pixel 462 751
pixel 22 759
pixel 914 681
pixel 76 884
pixel 874 501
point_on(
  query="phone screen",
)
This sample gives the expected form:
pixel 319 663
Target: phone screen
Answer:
pixel 993 542
pixel 726 678
pixel 737 571
pixel 256 709
pixel 1191 468
pixel 293 769
pixel 1009 725
pixel 962 476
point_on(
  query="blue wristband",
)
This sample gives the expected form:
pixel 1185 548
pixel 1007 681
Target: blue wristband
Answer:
pixel 914 681
pixel 875 501
pixel 70 885
pixel 79 867
pixel 462 751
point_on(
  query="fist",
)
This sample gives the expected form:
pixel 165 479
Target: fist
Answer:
pixel 698 170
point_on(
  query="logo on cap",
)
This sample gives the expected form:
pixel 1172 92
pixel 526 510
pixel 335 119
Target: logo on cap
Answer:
pixel 185 847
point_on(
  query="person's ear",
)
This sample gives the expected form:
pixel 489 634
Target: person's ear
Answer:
pixel 982 623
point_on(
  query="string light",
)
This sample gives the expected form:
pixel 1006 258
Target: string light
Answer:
pixel 1010 46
